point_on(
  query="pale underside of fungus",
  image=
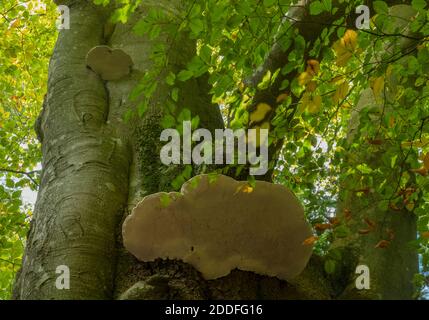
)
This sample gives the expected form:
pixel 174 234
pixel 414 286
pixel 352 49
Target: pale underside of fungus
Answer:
pixel 217 224
pixel 110 64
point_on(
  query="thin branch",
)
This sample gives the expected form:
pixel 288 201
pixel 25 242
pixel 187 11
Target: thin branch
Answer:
pixel 28 174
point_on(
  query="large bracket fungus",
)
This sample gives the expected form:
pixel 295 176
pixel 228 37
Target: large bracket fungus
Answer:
pixel 217 224
pixel 110 64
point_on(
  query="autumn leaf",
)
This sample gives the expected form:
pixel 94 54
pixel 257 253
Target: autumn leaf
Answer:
pixel 334 221
pixel 391 234
pixel 282 97
pixel 15 23
pixel 426 161
pixel 322 226
pixel 375 142
pixel 310 241
pixel 304 78
pixel 260 113
pixel 370 223
pixel 364 231
pixel 245 188
pixel 425 235
pixel 382 244
pixel 311 103
pixel 394 207
pixel 423 171
pixel 410 206
pixel 350 39
pixel 311 86
pixel 378 87
pixel 347 214
pixel 313 67
pixel 341 92
pixel 345 47
pixel 418 143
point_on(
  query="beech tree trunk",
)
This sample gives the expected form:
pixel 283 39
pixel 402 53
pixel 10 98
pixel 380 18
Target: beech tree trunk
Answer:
pixel 96 167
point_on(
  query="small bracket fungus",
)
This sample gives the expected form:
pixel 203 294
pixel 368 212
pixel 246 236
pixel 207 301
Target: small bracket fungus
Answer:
pixel 110 64
pixel 217 224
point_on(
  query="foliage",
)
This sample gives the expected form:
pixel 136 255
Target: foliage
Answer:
pixel 28 33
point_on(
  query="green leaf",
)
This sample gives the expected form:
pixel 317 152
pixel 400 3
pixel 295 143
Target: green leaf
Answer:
pixel 168 121
pixel 265 82
pixel 141 109
pixel 316 7
pixel 175 94
pixel 381 7
pixel 154 32
pixel 393 161
pixel 418 4
pixel 195 122
pixel 184 115
pixel 330 266
pixel 171 77
pixel 177 182
pixel 269 3
pixel 187 172
pixel 101 2
pixel 341 231
pixel 165 200
pixel 196 25
pixel 185 75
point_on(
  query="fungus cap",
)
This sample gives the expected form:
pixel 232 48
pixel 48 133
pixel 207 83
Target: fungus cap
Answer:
pixel 217 224
pixel 110 64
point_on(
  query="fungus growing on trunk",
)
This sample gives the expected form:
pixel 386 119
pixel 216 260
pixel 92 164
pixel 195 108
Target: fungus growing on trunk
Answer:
pixel 217 224
pixel 110 64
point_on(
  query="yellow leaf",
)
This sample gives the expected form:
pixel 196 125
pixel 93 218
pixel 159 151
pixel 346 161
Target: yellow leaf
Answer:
pixel 378 86
pixel 261 111
pixel 313 67
pixel 410 206
pixel 341 92
pixel 304 78
pixel 417 143
pixel 345 47
pixel 14 24
pixel 311 86
pixel 343 58
pixel 421 171
pixel 311 103
pixel 350 39
pixel 426 161
pixel 337 79
pixel 315 104
pixel 282 97
pixel 391 121
pixel 245 188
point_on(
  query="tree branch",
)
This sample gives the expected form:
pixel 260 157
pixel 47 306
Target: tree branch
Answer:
pixel 28 174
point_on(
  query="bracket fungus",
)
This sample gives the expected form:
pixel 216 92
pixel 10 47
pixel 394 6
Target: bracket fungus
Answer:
pixel 217 224
pixel 110 64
